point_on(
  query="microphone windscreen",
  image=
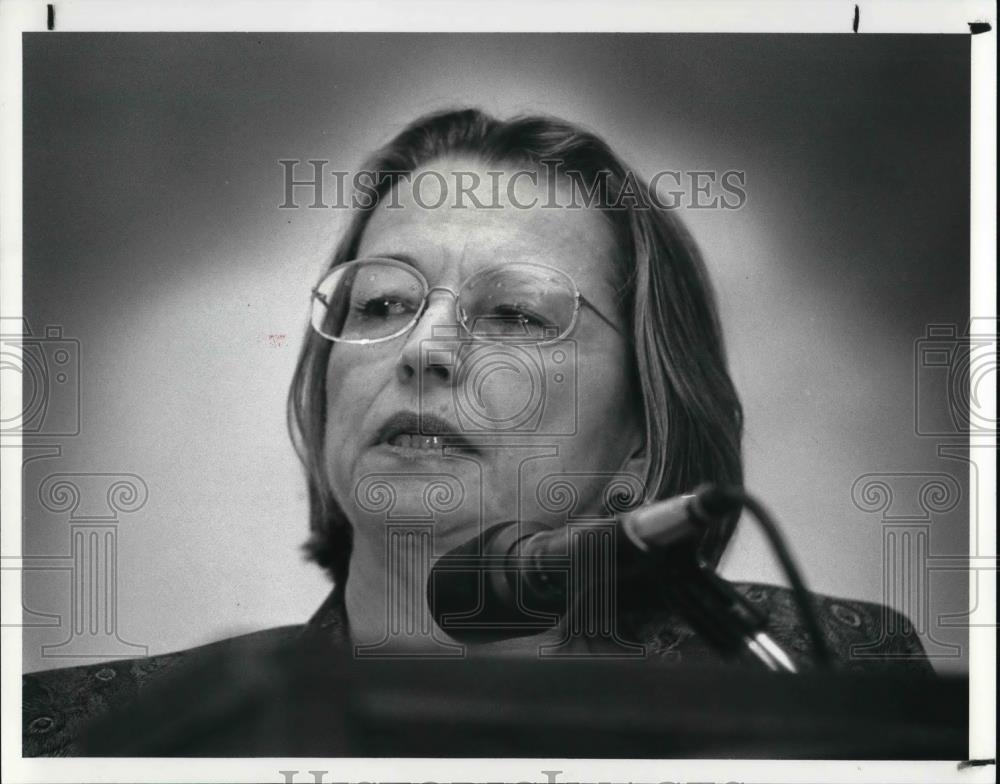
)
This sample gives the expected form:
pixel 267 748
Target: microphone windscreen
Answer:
pixel 472 592
pixel 715 503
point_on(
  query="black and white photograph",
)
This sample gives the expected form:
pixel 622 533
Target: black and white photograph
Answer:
pixel 602 395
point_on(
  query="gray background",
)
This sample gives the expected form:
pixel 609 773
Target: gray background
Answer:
pixel 152 235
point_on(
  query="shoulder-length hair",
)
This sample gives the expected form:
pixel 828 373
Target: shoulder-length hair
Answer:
pixel 691 412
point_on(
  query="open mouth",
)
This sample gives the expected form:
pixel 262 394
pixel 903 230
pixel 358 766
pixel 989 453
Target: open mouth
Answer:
pixel 415 441
pixel 406 430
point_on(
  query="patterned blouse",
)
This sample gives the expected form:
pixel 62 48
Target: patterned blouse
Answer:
pixel 58 705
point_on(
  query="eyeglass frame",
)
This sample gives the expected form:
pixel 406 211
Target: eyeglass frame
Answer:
pixel 578 301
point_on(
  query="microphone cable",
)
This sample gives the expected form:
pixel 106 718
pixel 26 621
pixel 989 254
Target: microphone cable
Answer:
pixel 740 498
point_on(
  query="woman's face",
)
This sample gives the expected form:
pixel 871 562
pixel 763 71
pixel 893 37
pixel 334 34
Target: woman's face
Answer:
pixel 580 420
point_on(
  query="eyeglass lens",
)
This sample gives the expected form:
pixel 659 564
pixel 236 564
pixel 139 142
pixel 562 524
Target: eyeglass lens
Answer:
pixel 373 299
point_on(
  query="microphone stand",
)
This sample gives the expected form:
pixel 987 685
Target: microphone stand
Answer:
pixel 515 590
pixel 718 611
pixel 662 539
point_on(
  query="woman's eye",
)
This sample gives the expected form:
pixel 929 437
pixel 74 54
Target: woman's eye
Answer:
pixel 520 313
pixel 383 307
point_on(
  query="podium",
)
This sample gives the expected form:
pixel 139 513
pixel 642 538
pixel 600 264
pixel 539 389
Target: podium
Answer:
pixel 311 701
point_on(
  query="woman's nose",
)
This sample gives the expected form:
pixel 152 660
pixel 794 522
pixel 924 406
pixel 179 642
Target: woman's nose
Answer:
pixel 431 346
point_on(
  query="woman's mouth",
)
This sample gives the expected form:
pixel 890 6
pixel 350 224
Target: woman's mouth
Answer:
pixel 415 441
pixel 409 433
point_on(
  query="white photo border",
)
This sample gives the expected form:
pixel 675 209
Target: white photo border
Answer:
pixel 719 16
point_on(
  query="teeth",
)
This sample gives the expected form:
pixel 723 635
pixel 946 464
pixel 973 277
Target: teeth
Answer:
pixel 413 441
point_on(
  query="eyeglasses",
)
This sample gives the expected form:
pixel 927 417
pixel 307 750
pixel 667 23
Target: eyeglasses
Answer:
pixel 376 299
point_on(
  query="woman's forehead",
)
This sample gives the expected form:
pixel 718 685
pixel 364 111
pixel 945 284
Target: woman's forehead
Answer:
pixel 459 237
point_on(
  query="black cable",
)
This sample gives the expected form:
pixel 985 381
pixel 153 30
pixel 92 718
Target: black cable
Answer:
pixel 737 495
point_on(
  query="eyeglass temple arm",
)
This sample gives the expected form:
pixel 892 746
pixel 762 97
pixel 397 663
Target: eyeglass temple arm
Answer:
pixel 605 319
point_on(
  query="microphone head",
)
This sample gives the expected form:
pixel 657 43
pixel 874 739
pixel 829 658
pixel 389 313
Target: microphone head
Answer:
pixel 715 503
pixel 472 591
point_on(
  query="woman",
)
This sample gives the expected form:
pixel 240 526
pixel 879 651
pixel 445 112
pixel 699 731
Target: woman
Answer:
pixel 386 392
pixel 511 329
pixel 652 396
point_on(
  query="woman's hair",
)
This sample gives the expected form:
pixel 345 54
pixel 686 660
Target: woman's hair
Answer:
pixel 691 413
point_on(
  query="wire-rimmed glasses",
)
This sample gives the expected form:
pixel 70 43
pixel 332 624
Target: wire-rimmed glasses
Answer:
pixel 372 300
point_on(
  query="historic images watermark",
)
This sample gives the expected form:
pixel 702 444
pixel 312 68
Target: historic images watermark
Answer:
pixel 907 504
pixel 430 189
pixel 420 598
pixel 955 381
pixel 409 630
pixel 46 365
pixel 516 392
pixel 94 504
pixel 955 370
pixel 507 386
pixel 47 368
pixel 319 777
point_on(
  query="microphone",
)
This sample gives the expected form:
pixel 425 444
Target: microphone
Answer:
pixel 514 579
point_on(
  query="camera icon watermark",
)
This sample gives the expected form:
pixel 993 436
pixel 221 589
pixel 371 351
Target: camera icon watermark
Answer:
pixel 953 374
pixel 47 368
pixel 508 384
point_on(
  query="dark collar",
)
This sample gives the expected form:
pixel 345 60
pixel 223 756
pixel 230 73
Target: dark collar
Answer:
pixel 329 622
pixel 860 635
